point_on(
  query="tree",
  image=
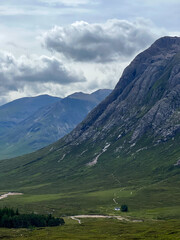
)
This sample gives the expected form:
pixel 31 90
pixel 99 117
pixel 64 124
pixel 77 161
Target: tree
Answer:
pixel 17 211
pixel 124 208
pixel 13 219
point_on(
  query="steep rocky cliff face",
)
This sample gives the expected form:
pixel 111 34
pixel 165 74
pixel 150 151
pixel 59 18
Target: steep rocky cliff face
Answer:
pixel 146 99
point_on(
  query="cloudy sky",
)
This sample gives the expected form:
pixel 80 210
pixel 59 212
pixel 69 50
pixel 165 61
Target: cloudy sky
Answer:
pixel 58 47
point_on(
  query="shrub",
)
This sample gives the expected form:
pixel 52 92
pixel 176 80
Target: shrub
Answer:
pixel 124 208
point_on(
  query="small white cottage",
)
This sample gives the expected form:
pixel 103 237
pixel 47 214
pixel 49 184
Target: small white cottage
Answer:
pixel 117 208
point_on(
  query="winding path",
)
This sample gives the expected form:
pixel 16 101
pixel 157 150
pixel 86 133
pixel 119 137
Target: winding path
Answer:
pixel 9 194
pixel 76 219
pixel 120 218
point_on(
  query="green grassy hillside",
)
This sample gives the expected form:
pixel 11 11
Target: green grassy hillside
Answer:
pixel 142 176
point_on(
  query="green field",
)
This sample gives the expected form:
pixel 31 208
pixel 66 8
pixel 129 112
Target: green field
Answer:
pixel 99 229
pixel 150 202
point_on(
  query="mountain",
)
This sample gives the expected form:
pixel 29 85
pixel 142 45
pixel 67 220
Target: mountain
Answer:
pixel 146 99
pixel 39 121
pixel 127 149
pixel 18 110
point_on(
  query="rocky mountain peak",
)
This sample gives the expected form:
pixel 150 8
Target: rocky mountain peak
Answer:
pixel 168 43
pixel 145 100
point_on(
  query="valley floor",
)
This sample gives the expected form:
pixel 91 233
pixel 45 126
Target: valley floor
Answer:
pixel 96 229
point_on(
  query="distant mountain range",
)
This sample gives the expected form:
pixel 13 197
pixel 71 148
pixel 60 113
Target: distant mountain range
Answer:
pixel 29 124
pixel 17 111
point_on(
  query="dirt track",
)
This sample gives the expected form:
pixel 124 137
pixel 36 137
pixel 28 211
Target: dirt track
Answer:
pixel 9 194
pixel 120 218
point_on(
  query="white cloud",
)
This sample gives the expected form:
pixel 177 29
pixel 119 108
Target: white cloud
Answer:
pixel 100 42
pixel 16 73
pixel 66 2
pixel 94 56
pixel 25 8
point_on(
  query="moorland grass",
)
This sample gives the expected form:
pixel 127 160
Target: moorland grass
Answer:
pixel 105 229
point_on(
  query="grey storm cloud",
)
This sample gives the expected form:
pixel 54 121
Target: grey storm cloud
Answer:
pixel 100 42
pixel 16 73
